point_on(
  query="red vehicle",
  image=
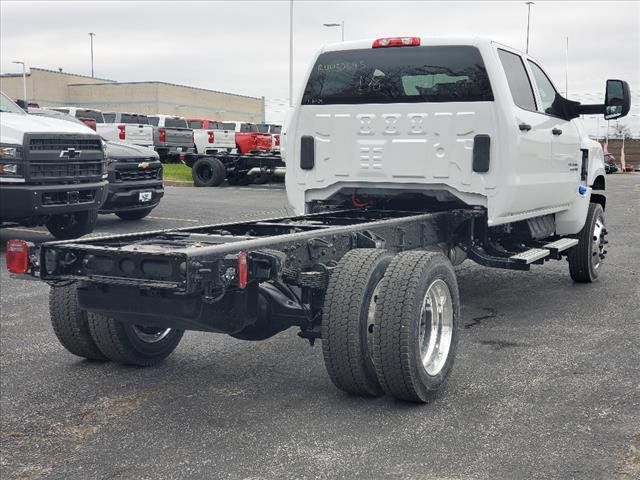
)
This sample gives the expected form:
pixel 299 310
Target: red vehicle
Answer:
pixel 250 139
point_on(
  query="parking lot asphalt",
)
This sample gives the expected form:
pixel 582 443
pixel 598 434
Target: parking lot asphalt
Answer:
pixel 546 382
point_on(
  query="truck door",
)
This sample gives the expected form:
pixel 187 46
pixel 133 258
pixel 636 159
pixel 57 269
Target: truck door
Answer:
pixel 532 187
pixel 565 138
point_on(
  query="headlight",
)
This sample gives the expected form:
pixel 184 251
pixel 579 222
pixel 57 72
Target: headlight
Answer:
pixel 10 152
pixel 8 169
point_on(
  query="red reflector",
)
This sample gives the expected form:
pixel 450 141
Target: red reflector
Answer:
pixel 210 132
pixel 243 270
pixel 122 133
pixel 396 42
pixel 17 256
pixel 162 135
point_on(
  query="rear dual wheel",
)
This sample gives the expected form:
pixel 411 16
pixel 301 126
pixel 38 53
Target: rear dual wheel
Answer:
pixel 416 325
pixel 98 337
pixel 390 324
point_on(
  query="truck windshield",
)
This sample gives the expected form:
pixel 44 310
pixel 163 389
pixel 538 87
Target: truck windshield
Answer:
pixel 91 114
pixel 398 75
pixel 262 128
pixel 109 117
pixel 153 121
pixel 276 129
pixel 175 122
pixel 7 106
pixel 134 118
pixel 195 124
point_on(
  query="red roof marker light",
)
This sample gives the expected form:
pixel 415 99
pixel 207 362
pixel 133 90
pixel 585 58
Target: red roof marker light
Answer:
pixel 396 42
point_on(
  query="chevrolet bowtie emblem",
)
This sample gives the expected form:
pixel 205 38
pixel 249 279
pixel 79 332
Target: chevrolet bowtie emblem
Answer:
pixel 143 165
pixel 70 153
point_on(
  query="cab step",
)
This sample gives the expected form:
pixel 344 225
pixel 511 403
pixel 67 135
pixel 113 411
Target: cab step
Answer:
pixel 530 256
pixel 556 248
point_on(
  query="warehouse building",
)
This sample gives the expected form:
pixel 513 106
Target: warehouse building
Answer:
pixel 56 88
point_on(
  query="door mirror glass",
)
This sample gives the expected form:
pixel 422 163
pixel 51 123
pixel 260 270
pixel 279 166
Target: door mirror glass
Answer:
pixel 617 99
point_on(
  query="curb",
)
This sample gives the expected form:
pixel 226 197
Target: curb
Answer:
pixel 177 183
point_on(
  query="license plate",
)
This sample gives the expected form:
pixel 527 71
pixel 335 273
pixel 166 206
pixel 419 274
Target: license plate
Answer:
pixel 145 196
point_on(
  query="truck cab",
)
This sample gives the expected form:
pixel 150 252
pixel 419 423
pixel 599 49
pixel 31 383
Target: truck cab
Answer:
pixel 172 136
pixel 52 172
pixel 467 121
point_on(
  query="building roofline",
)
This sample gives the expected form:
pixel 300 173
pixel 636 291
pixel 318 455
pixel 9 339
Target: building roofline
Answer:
pixel 155 82
pixel 11 75
pixel 73 74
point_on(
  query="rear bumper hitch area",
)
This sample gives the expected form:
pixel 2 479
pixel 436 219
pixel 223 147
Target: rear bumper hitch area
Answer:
pixel 255 313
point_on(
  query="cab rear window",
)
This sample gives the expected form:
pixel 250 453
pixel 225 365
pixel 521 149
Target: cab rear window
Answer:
pixel 91 114
pixel 133 118
pixel 175 122
pixel 399 75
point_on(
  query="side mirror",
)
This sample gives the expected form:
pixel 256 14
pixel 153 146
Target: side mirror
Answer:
pixel 617 99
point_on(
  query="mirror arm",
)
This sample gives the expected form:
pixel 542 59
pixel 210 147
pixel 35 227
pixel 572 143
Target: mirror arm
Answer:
pixel 597 109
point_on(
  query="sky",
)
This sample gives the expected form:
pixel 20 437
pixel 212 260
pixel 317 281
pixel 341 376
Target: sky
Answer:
pixel 243 47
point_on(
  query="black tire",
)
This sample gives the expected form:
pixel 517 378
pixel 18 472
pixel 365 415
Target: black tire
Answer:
pixel 399 325
pixel 134 214
pixel 585 259
pixel 70 323
pixel 122 342
pixel 346 318
pixel 208 172
pixel 72 225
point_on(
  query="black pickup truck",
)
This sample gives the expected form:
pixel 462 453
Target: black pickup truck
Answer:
pixel 135 181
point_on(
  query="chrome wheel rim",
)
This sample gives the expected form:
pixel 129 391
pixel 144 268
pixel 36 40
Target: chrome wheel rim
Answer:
pixel 436 327
pixel 150 334
pixel 597 243
pixel 371 315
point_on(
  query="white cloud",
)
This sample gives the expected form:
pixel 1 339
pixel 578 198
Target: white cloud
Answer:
pixel 242 47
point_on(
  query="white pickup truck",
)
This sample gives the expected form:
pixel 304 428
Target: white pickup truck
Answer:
pixel 405 155
pixel 211 136
pixel 126 127
pixel 115 126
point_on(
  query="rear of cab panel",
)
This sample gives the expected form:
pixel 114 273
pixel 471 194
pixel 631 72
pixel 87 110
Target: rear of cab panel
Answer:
pixel 415 145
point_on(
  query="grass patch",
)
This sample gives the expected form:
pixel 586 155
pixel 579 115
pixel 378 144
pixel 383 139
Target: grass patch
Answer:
pixel 177 171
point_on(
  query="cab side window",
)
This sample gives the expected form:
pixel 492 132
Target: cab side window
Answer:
pixel 549 99
pixel 518 80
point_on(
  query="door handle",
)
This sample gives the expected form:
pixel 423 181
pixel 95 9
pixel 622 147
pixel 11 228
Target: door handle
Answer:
pixel 525 127
pixel 556 131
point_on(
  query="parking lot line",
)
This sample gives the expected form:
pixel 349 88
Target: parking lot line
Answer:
pixel 175 219
pixel 29 230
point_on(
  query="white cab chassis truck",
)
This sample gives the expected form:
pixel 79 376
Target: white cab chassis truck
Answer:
pixel 404 156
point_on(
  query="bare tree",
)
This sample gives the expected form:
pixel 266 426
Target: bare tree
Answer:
pixel 621 130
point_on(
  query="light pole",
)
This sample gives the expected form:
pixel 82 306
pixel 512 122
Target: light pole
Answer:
pixel 341 25
pixel 24 80
pixel 91 34
pixel 528 4
pixel 291 53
